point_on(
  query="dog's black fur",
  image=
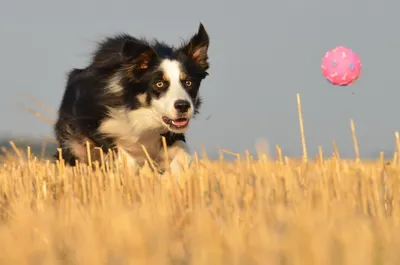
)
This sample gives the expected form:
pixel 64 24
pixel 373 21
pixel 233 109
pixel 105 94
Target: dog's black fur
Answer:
pixel 132 65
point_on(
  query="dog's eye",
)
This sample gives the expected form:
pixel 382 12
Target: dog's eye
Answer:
pixel 188 83
pixel 160 84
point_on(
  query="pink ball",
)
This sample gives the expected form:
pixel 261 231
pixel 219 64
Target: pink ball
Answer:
pixel 341 66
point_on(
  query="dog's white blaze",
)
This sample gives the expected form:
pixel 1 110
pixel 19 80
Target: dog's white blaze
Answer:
pixel 165 105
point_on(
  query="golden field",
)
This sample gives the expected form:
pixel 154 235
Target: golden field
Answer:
pixel 253 210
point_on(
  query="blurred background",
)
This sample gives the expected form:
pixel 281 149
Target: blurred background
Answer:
pixel 262 53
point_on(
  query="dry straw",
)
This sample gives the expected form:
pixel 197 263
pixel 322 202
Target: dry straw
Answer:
pixel 248 211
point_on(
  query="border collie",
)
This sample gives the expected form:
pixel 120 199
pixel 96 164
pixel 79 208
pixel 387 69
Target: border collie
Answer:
pixel 131 94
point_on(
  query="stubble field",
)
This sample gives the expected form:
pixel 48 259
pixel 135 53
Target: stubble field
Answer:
pixel 253 210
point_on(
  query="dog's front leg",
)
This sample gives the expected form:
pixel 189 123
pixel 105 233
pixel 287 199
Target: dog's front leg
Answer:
pixel 131 162
pixel 179 155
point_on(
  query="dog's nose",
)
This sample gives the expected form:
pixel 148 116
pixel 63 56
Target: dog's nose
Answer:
pixel 182 105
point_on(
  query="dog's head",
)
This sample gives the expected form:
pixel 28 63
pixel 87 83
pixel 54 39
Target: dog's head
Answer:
pixel 169 78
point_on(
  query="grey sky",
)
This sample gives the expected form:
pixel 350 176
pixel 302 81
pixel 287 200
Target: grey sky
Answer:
pixel 261 53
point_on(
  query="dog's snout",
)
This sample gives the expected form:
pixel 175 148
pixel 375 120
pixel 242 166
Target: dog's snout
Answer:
pixel 182 105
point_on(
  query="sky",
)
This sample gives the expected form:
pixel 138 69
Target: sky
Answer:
pixel 261 54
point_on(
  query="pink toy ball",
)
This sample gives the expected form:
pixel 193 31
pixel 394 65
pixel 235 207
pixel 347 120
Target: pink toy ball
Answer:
pixel 341 66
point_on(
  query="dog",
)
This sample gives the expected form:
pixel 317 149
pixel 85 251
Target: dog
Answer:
pixel 132 93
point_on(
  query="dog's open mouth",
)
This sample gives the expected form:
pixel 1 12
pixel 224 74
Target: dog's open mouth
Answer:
pixel 176 124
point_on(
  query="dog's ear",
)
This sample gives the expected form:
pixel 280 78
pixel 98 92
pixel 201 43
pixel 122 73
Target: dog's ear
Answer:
pixel 138 53
pixel 197 48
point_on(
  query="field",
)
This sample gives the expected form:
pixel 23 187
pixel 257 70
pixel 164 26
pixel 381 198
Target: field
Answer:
pixel 252 210
pixel 249 211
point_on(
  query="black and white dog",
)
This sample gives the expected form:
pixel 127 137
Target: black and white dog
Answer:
pixel 131 94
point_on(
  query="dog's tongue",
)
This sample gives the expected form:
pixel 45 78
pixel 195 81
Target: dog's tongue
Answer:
pixel 180 122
